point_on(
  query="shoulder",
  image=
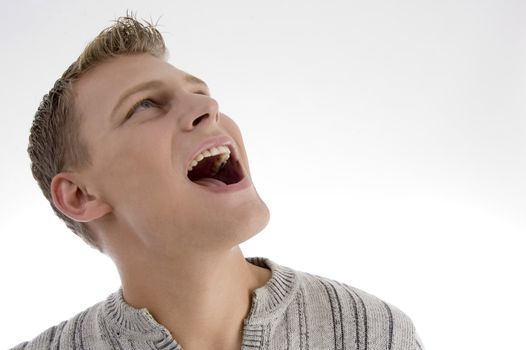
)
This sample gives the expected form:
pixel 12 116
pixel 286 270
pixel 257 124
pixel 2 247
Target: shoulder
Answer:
pixel 353 315
pixel 80 331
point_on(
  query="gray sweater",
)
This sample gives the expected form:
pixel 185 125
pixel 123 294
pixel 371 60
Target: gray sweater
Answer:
pixel 293 310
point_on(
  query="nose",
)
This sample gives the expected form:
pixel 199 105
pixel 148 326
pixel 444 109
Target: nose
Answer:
pixel 203 109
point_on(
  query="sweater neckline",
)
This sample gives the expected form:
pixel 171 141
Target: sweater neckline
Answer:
pixel 268 302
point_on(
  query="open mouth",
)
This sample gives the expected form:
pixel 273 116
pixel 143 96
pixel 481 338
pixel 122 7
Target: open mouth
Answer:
pixel 217 165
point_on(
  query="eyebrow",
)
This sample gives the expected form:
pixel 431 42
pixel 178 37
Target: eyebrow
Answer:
pixel 152 84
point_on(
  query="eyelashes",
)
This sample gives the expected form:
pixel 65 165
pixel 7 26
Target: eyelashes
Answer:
pixel 150 102
pixel 140 103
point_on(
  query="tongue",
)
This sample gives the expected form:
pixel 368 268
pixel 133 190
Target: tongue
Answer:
pixel 208 181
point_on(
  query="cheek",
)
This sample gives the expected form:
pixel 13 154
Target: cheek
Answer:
pixel 128 170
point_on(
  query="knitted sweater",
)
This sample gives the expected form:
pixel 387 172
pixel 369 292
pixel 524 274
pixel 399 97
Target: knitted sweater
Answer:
pixel 294 310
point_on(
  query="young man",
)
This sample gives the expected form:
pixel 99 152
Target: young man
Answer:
pixel 135 156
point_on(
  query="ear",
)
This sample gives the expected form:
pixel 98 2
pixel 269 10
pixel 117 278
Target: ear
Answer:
pixel 73 200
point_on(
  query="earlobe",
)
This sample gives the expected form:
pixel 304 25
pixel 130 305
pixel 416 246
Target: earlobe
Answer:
pixel 73 200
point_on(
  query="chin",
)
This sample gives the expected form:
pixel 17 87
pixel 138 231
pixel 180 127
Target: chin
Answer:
pixel 262 221
pixel 253 221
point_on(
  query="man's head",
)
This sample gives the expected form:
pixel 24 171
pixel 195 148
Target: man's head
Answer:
pixel 112 143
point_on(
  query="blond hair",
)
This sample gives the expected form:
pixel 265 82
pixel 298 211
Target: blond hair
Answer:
pixel 55 142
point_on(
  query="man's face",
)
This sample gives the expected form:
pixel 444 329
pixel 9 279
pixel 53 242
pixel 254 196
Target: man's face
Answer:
pixel 141 155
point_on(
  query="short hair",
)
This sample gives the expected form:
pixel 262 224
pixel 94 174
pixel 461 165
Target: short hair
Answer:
pixel 55 141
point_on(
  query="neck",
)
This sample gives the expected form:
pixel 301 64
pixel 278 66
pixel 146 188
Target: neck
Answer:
pixel 201 299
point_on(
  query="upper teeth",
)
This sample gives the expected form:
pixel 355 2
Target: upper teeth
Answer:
pixel 222 150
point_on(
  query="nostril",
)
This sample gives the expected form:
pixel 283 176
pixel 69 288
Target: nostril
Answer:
pixel 198 120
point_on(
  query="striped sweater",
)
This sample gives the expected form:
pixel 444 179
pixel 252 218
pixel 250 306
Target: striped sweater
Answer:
pixel 294 310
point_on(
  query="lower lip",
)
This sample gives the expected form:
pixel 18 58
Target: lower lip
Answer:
pixel 228 188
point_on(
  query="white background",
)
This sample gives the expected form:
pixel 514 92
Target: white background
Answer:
pixel 386 137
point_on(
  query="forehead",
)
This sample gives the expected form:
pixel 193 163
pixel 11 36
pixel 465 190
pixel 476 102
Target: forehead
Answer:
pixel 112 77
pixel 99 90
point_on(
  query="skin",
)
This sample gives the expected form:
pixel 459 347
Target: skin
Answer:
pixel 175 245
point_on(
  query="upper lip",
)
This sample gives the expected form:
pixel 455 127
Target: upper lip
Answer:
pixel 211 142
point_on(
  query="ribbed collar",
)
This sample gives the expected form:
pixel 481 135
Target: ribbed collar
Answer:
pixel 268 303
